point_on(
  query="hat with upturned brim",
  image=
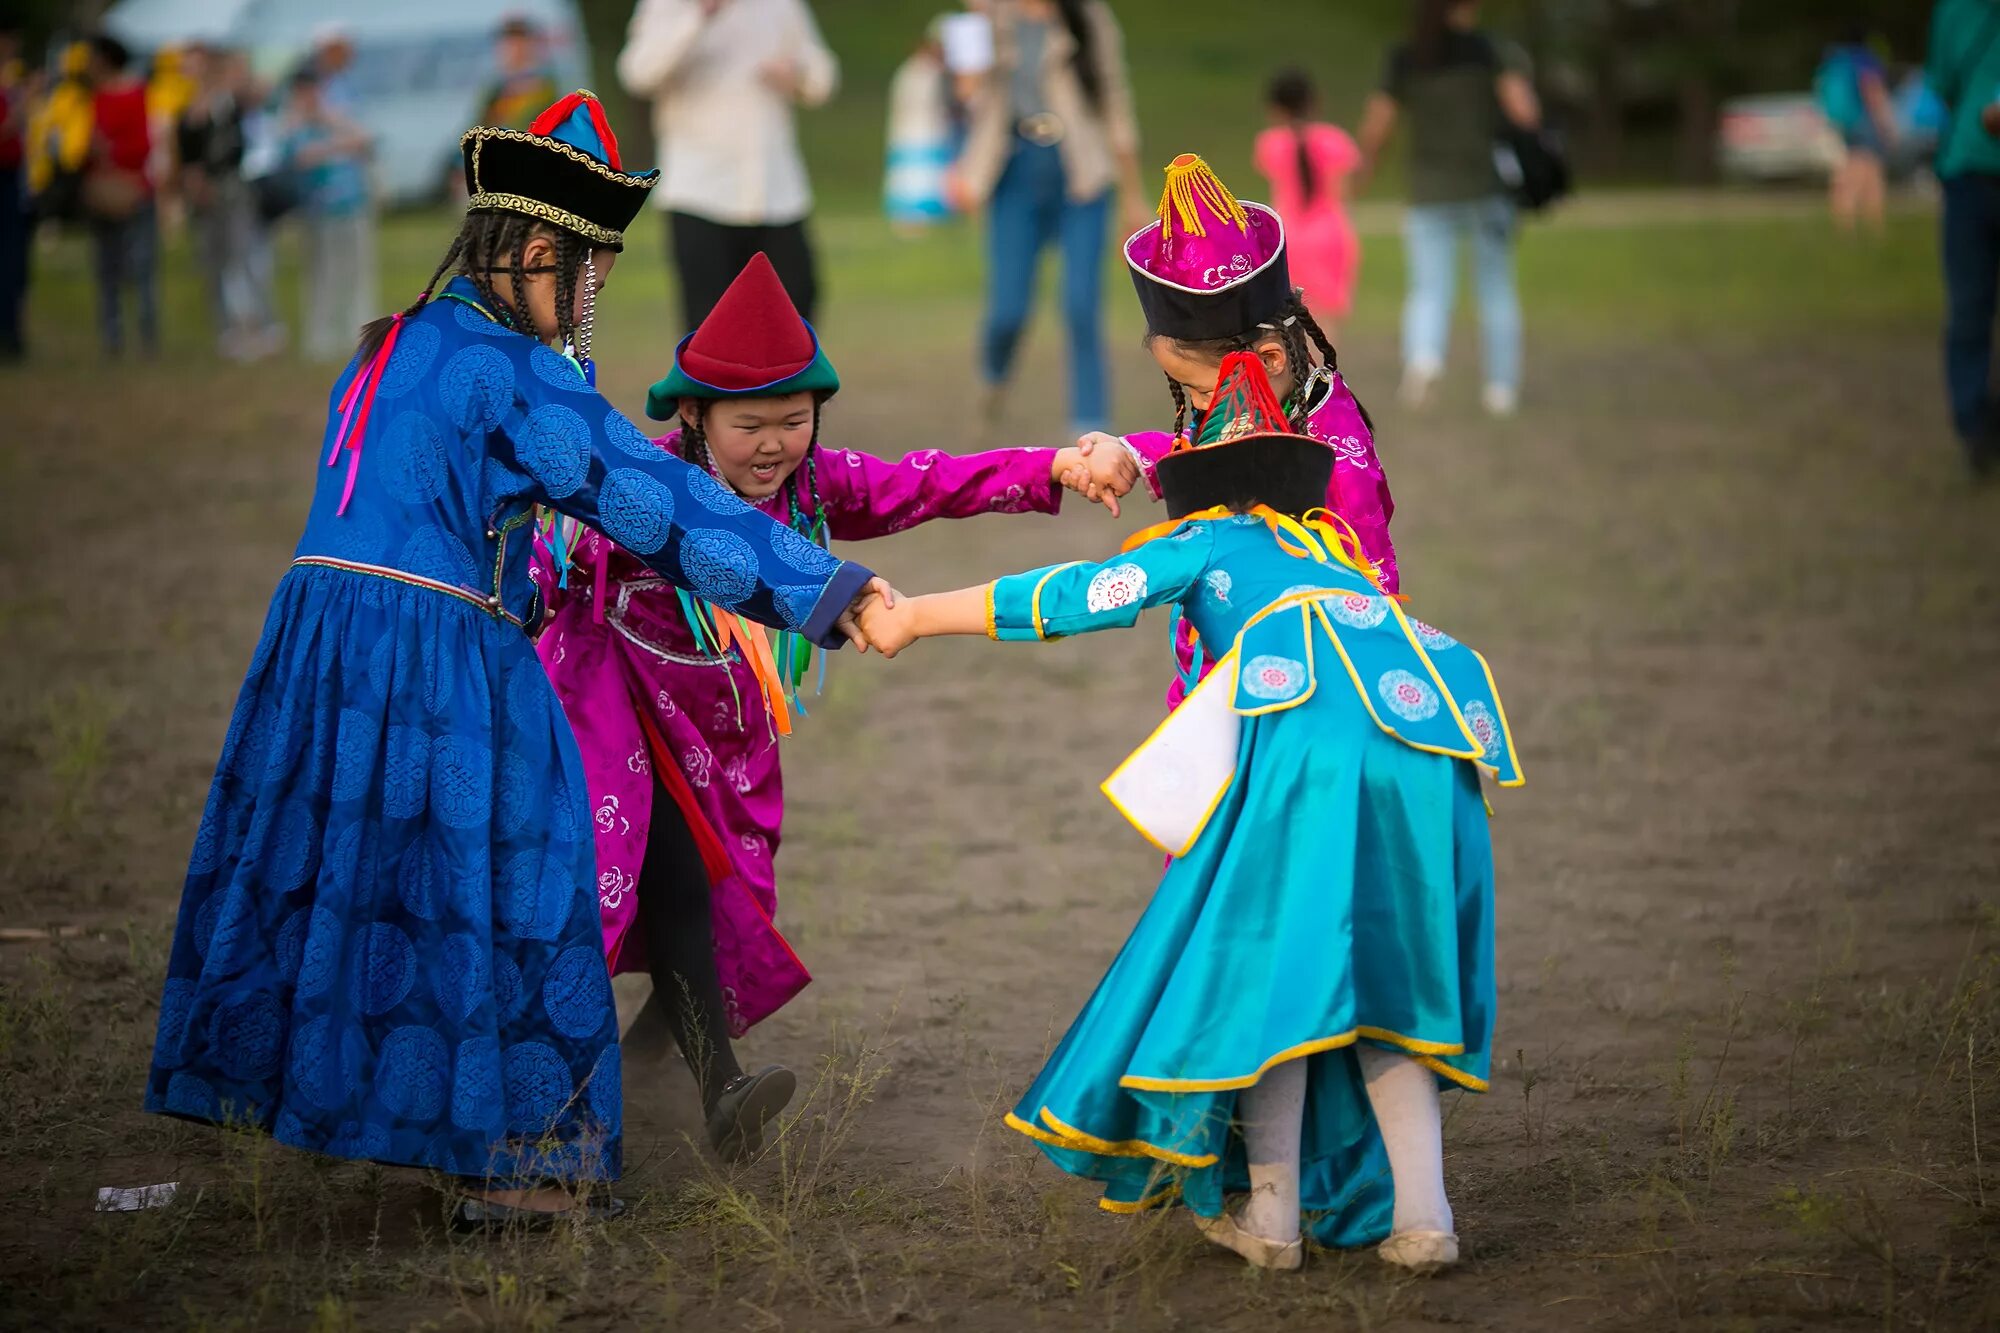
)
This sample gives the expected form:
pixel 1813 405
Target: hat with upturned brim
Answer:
pixel 1247 453
pixel 1211 266
pixel 754 344
pixel 564 169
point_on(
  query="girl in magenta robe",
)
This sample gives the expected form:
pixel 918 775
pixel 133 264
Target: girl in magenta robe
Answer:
pixel 658 712
pixel 1212 279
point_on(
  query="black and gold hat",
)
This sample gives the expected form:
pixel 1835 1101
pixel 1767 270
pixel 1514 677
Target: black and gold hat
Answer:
pixel 564 169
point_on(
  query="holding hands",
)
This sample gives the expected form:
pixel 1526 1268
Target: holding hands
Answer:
pixel 1098 467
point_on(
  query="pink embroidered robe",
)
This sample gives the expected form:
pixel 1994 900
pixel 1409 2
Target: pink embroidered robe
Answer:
pixel 625 662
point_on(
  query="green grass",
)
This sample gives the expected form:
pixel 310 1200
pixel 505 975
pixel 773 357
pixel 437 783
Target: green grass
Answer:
pixel 1723 279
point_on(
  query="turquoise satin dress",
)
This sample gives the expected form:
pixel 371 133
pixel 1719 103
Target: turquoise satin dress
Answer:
pixel 1341 891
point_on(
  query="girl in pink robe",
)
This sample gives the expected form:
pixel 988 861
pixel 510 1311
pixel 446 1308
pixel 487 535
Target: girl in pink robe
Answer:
pixel 1212 278
pixel 657 712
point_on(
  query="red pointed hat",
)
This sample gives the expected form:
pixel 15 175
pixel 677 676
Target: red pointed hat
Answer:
pixel 754 344
pixel 1247 453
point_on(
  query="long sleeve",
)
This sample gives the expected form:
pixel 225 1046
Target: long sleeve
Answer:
pixel 869 497
pixel 1148 448
pixel 819 71
pixel 583 457
pixel 658 39
pixel 1061 600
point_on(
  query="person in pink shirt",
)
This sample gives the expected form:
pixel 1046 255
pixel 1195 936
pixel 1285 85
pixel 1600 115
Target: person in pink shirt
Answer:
pixel 1213 278
pixel 1307 163
pixel 679 727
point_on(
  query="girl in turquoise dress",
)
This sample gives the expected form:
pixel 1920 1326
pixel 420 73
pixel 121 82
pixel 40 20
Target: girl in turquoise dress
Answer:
pixel 1318 962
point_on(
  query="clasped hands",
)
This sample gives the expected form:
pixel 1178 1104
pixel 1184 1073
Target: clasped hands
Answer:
pixel 1099 467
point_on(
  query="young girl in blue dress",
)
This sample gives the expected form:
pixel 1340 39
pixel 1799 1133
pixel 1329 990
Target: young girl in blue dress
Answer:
pixel 388 944
pixel 1318 962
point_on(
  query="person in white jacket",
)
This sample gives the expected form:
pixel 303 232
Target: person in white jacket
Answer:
pixel 723 77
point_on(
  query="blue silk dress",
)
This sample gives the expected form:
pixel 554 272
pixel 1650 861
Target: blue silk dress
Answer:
pixel 1340 891
pixel 388 943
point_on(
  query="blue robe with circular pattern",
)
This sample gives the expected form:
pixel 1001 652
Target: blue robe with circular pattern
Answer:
pixel 388 944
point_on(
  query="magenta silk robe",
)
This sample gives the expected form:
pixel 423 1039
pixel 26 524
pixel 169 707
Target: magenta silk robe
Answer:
pixel 1359 493
pixel 627 651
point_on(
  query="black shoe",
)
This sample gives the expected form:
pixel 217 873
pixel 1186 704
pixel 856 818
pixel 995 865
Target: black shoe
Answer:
pixel 482 1215
pixel 748 1103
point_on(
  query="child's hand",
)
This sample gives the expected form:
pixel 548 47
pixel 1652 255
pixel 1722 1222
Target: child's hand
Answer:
pixel 1098 467
pixel 888 626
pixel 878 592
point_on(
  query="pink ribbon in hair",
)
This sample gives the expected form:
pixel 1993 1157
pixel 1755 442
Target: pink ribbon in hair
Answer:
pixel 355 405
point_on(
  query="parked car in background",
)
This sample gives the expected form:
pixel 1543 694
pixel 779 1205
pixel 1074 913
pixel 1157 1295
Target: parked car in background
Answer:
pixel 421 73
pixel 1777 137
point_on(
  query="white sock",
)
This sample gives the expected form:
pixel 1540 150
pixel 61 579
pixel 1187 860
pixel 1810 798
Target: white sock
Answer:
pixel 1404 1096
pixel 1272 1117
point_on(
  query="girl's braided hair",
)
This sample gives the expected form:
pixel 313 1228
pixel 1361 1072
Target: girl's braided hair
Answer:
pixel 1290 329
pixel 494 243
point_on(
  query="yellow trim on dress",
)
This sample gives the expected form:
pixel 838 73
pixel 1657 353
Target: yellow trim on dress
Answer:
pixel 1218 673
pixel 993 611
pixel 1506 730
pixel 1151 1201
pixel 1312 671
pixel 1418 1049
pixel 1061 1135
pixel 1035 602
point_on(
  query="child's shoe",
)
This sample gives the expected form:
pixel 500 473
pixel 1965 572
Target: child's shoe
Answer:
pixel 1223 1231
pixel 1500 400
pixel 747 1103
pixel 1421 1252
pixel 1419 378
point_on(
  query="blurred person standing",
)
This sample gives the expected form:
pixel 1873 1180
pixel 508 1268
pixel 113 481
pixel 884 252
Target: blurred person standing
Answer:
pixel 920 138
pixel 724 77
pixel 1457 86
pixel 1852 89
pixel 329 152
pixel 527 82
pixel 1964 72
pixel 15 94
pixel 1053 137
pixel 210 142
pixel 170 86
pixel 58 146
pixel 119 199
pixel 1308 163
pixel 332 59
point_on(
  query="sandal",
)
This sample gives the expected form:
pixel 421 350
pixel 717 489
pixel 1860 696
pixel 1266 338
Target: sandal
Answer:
pixel 746 1104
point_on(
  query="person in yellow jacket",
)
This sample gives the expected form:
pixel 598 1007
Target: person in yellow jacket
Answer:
pixel 170 90
pixel 59 133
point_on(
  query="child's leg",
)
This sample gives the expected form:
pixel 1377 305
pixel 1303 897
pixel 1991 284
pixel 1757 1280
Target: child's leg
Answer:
pixel 680 946
pixel 1404 1096
pixel 1272 1116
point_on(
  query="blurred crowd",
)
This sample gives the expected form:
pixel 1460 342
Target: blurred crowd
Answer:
pixel 192 141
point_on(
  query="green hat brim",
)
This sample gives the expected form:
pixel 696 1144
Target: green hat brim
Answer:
pixel 664 398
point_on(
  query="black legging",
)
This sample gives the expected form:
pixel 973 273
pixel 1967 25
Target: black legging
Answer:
pixel 680 948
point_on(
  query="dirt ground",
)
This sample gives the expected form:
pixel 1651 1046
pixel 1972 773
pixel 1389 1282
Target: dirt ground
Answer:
pixel 1747 615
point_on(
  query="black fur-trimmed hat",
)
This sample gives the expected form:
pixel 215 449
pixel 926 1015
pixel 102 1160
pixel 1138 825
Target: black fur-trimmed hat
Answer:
pixel 564 170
